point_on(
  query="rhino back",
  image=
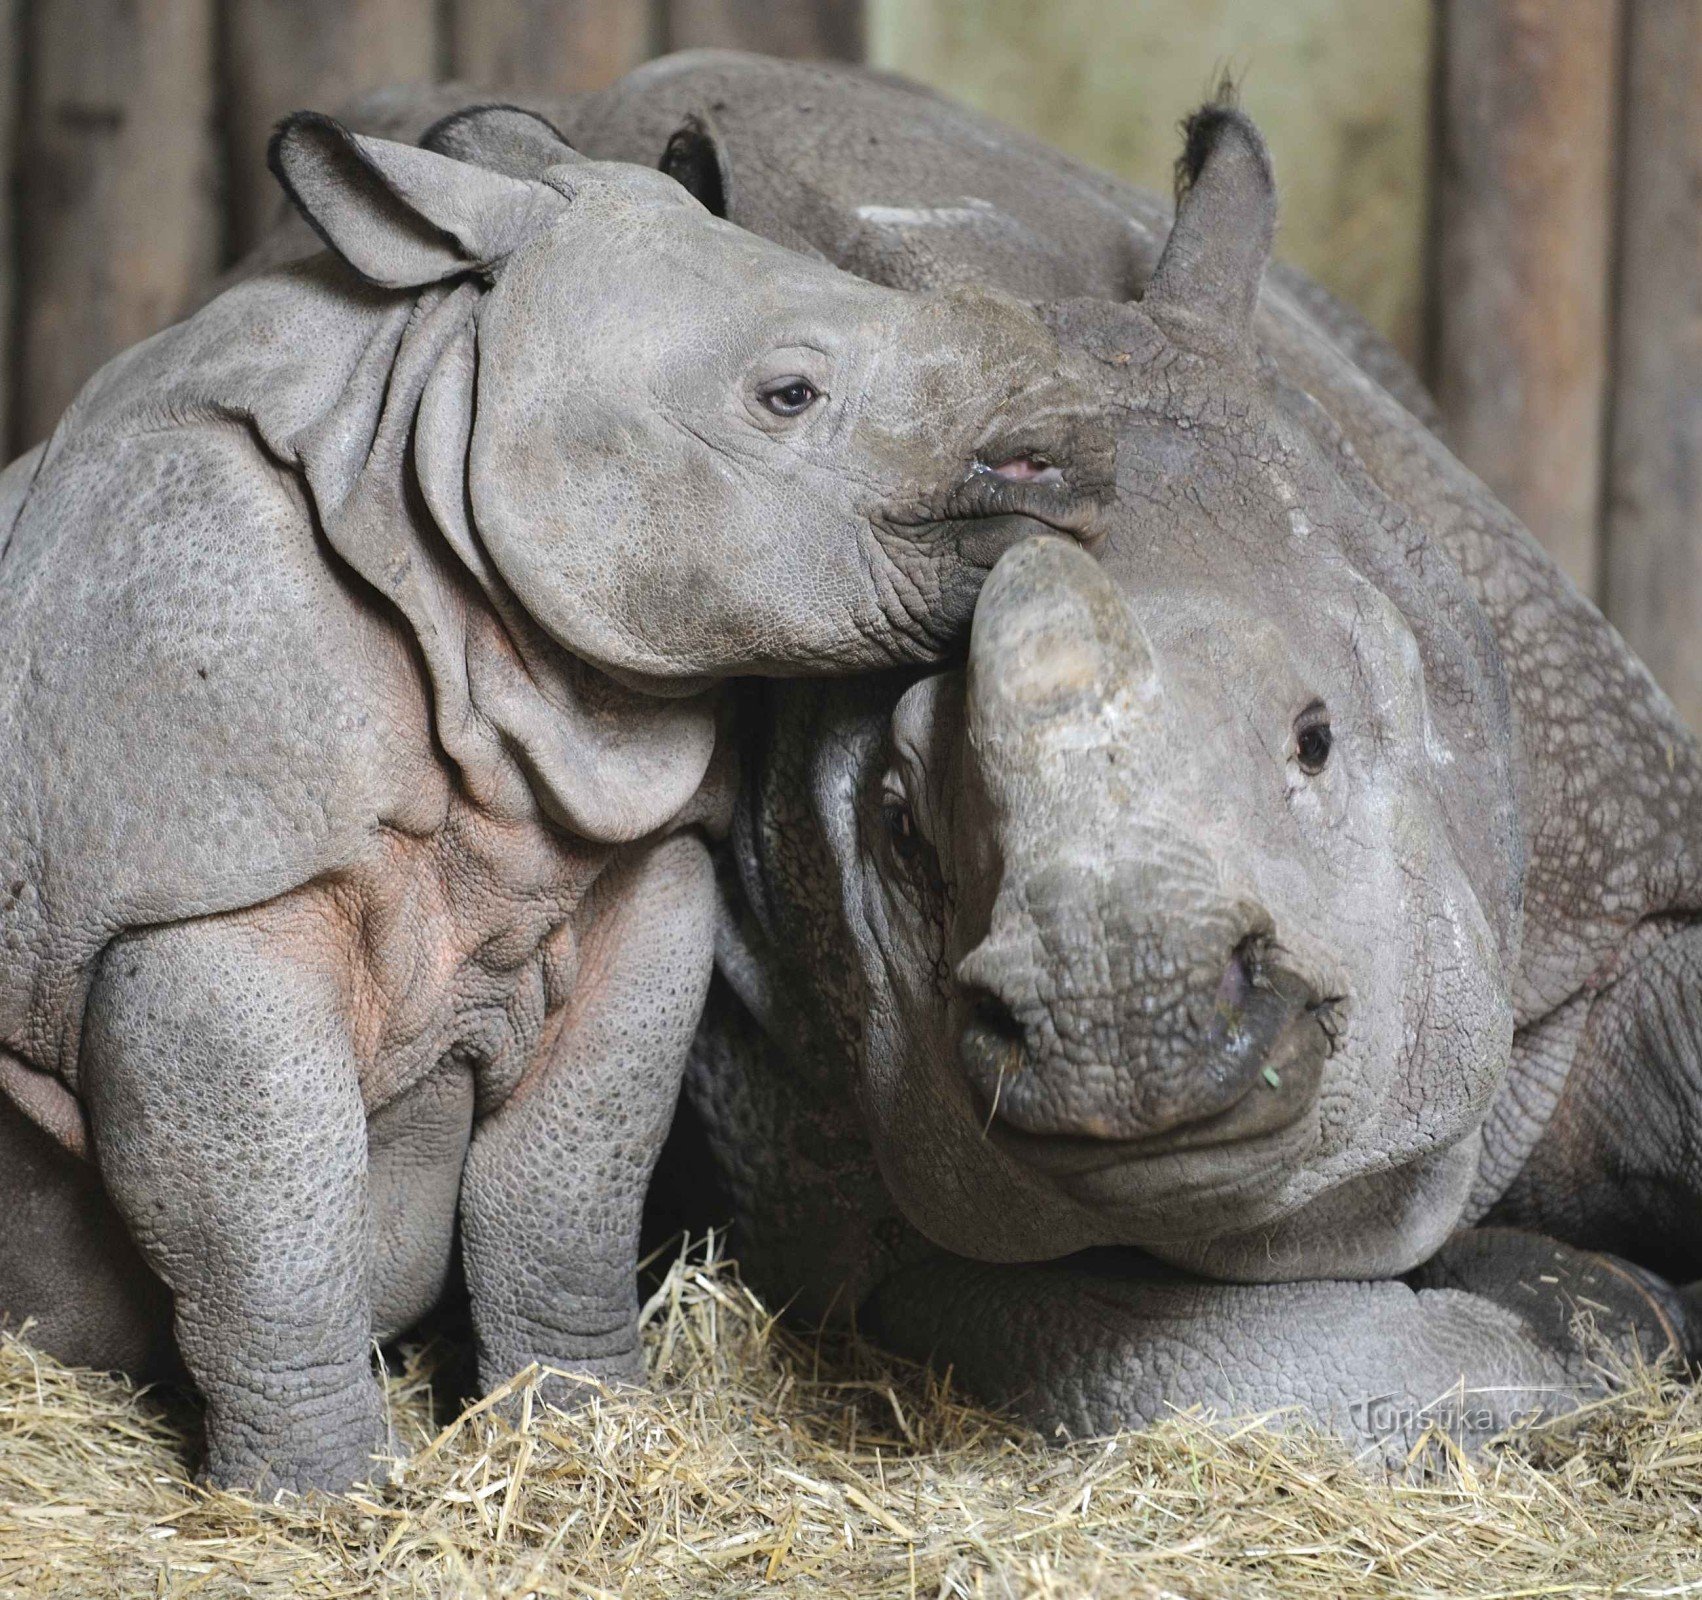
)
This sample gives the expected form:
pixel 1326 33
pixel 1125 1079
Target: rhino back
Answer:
pixel 886 179
pixel 910 189
pixel 198 712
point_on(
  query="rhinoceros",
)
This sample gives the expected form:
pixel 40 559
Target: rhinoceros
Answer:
pixel 357 745
pixel 1314 878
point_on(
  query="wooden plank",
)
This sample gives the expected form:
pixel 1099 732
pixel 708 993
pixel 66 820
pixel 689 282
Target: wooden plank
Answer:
pixel 827 29
pixel 119 224
pixel 292 55
pixel 1654 549
pixel 548 46
pixel 1528 91
pixel 11 72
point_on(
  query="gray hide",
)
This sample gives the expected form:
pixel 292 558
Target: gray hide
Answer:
pixel 355 748
pixel 1014 950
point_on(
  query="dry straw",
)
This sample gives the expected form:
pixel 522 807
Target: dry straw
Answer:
pixel 766 1464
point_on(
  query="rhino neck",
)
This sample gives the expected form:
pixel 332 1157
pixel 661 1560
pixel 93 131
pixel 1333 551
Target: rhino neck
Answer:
pixel 530 728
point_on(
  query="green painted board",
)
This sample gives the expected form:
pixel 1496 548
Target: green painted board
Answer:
pixel 1342 89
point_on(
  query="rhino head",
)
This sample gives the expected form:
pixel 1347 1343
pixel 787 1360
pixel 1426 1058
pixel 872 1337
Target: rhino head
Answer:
pixel 689 451
pixel 1183 916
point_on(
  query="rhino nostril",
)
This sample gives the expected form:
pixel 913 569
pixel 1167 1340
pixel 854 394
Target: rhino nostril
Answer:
pixel 992 1045
pixel 1235 987
pixel 1246 975
pixel 992 1015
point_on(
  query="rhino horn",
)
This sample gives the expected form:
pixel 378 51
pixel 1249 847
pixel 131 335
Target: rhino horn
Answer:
pixel 1053 639
pixel 1207 279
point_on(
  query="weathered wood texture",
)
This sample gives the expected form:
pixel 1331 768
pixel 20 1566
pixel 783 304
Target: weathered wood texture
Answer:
pixel 286 55
pixel 549 46
pixel 1654 511
pixel 821 28
pixel 119 223
pixel 1526 175
pixel 11 77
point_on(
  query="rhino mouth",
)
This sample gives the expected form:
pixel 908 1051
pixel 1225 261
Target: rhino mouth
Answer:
pixel 1273 1115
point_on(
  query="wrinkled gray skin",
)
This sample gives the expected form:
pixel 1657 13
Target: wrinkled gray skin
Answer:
pixel 1071 951
pixel 351 883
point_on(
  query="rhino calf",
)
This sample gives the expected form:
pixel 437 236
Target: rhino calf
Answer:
pixel 355 748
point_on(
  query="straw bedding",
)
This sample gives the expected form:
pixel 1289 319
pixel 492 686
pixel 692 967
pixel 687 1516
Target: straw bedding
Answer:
pixel 765 1463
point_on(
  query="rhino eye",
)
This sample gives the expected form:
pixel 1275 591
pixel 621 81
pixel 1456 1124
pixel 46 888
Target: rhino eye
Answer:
pixel 789 397
pixel 901 826
pixel 1312 739
pixel 906 838
pixel 917 877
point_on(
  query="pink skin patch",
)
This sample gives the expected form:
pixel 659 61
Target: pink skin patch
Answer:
pixel 1022 469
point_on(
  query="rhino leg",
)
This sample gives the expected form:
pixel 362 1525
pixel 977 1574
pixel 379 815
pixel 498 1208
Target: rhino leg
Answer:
pixel 1095 1344
pixel 1552 1285
pixel 66 1263
pixel 227 1118
pixel 1619 1165
pixel 416 1148
pixel 553 1193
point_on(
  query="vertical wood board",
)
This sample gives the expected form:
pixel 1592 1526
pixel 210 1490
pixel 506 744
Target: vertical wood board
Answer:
pixel 548 46
pixel 316 55
pixel 119 224
pixel 11 79
pixel 1526 184
pixel 1654 505
pixel 823 29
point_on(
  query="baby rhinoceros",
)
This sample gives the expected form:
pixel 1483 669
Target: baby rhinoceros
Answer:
pixel 354 641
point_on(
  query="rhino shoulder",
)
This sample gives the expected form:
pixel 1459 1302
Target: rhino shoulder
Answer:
pixel 197 712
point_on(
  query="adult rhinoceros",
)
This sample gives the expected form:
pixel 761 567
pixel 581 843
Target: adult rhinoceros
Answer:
pixel 353 752
pixel 1314 878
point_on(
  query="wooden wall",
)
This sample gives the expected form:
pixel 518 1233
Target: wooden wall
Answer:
pixel 1568 295
pixel 1512 189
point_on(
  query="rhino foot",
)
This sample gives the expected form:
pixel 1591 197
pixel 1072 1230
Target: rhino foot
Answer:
pixel 1107 1341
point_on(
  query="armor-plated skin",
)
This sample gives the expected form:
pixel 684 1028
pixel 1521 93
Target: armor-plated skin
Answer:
pixel 357 745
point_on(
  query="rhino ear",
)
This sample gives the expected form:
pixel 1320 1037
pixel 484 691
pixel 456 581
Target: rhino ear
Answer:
pixel 1209 274
pixel 401 216
pixel 506 139
pixel 696 159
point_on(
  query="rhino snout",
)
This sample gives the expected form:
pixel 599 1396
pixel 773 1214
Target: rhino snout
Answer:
pixel 1105 1022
